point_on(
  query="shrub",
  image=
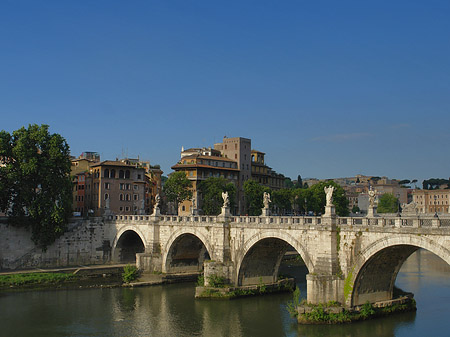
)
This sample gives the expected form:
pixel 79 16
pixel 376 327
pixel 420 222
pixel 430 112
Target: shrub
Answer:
pixel 130 273
pixel 201 280
pixel 292 305
pixel 216 281
pixel 367 310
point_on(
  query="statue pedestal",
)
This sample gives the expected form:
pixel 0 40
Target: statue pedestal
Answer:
pixel 225 212
pixel 156 212
pixel 265 212
pixel 330 210
pixel 371 211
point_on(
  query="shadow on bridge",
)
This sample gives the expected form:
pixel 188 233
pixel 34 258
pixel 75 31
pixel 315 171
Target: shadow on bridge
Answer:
pixel 269 260
pixel 128 244
pixel 186 254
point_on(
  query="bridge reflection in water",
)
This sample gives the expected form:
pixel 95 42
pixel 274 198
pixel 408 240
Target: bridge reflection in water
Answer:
pixel 171 310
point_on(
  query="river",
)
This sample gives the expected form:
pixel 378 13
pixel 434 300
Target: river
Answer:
pixel 171 310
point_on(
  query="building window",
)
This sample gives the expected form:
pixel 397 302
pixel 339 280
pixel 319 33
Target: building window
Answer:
pixel 127 197
pixel 112 173
pixel 106 186
pixel 121 208
pixel 121 197
pixel 121 174
pixel 136 196
pixel 106 196
pixel 183 208
pixel 127 174
pixel 128 186
pixel 127 209
pixel 139 177
pixel 120 186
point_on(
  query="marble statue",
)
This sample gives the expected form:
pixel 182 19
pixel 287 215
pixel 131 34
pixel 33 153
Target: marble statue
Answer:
pixel 226 201
pixel 329 192
pixel 266 199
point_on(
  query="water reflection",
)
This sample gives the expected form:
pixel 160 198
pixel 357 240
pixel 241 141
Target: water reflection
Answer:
pixel 171 310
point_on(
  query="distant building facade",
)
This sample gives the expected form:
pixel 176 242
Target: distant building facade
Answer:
pixel 432 201
pixel 232 159
pixel 128 186
pixel 199 165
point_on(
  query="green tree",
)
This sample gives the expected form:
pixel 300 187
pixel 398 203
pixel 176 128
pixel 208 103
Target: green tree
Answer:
pixel 211 190
pixel 355 209
pixel 300 198
pixel 282 199
pixel 288 183
pixel 35 183
pixel 317 199
pixel 178 188
pixel 253 193
pixel 387 203
pixel 299 183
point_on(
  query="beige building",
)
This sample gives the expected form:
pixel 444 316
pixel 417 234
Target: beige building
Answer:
pixel 118 187
pixel 199 165
pixel 263 174
pixel 431 201
pixel 238 149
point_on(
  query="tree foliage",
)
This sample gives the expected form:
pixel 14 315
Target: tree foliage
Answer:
pixel 178 187
pixel 282 200
pixel 317 198
pixel 387 203
pixel 434 183
pixel 253 193
pixel 299 183
pixel 35 183
pixel 300 200
pixel 211 190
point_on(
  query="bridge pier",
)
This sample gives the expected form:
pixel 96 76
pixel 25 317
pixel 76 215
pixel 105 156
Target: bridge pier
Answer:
pixel 324 288
pixel 325 283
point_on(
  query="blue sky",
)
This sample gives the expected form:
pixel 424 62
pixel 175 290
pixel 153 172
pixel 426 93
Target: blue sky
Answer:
pixel 325 88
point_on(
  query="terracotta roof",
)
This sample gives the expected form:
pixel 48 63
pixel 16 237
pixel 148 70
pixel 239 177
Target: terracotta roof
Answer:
pixel 183 166
pixel 114 163
pixel 208 158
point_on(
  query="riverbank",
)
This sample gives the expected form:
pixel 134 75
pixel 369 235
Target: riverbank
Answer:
pixel 62 278
pixel 105 276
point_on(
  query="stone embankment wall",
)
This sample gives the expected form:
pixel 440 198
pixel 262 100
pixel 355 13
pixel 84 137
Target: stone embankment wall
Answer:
pixel 85 242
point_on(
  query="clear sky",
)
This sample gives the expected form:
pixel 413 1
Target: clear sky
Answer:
pixel 325 88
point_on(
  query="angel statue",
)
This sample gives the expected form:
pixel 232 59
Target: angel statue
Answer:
pixel 329 192
pixel 226 201
pixel 266 199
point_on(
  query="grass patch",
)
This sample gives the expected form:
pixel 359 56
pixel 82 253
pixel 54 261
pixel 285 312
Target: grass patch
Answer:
pixel 13 280
pixel 320 314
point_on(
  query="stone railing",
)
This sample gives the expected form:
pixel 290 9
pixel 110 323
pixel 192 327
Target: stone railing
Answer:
pixel 428 221
pixel 395 221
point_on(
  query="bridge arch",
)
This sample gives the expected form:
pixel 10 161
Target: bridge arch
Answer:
pixel 185 251
pixel 127 242
pixel 261 256
pixel 372 277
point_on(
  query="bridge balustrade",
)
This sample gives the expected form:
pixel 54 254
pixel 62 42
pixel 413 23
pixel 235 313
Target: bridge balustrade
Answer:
pixel 407 222
pixel 444 222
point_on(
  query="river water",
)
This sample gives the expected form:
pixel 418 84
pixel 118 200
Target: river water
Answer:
pixel 171 310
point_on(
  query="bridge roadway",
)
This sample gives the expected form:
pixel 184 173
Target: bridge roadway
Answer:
pixel 349 260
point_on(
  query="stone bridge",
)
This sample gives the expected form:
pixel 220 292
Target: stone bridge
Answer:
pixel 349 260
